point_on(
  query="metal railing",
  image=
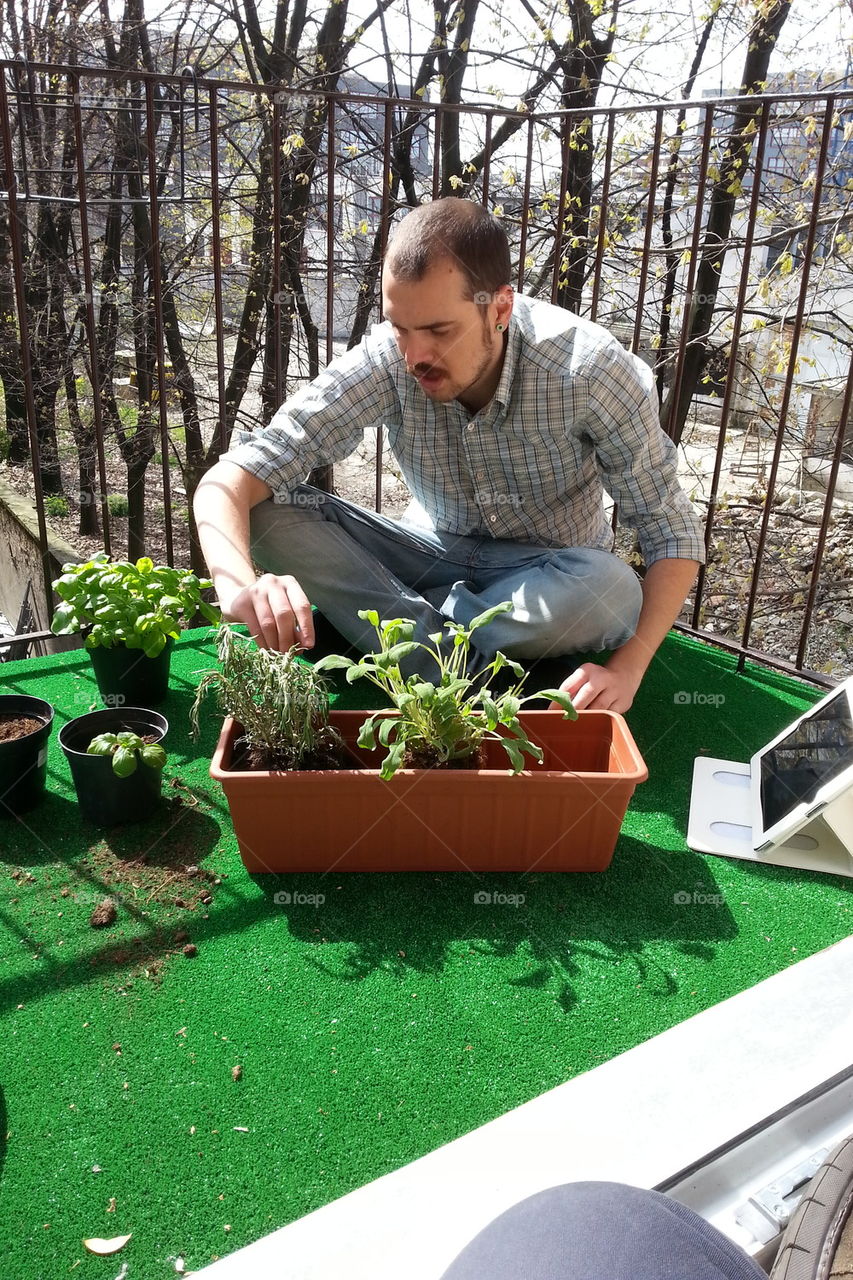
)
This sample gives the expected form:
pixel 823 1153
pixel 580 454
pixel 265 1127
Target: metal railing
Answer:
pixel 177 253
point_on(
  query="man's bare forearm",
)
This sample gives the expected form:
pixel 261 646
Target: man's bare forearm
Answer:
pixel 274 607
pixel 612 687
pixel 665 589
pixel 222 504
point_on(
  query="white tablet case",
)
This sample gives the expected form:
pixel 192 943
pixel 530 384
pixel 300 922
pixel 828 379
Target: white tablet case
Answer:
pixel 720 822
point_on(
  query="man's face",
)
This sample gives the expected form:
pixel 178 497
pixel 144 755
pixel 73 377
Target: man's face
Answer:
pixel 449 343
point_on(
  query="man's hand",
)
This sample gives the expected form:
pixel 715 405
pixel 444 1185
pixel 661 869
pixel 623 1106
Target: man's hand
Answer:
pixel 612 688
pixel 595 688
pixel 276 610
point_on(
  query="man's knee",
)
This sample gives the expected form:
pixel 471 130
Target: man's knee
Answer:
pixel 590 600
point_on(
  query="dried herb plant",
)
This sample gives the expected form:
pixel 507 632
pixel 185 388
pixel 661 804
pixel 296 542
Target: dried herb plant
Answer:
pixel 280 702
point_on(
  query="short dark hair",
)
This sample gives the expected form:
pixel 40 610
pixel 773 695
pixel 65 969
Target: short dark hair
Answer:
pixel 459 231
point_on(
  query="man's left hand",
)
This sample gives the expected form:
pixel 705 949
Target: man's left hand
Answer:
pixel 595 688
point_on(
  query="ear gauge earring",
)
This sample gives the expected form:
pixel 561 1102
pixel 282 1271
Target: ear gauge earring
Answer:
pixel 499 328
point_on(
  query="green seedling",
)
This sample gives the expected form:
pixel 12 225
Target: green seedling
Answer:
pixel 445 720
pixel 127 750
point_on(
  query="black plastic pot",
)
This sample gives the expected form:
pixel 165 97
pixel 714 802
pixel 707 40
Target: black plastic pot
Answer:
pixel 23 762
pixel 104 798
pixel 127 678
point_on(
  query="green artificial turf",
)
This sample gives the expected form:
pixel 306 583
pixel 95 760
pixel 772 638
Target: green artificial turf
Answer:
pixel 370 1028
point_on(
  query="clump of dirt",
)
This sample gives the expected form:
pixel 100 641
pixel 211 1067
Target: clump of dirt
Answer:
pixel 105 913
pixel 13 727
pixel 170 880
pixel 160 892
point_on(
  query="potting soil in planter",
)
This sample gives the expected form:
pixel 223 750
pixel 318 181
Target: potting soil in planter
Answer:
pixel 25 724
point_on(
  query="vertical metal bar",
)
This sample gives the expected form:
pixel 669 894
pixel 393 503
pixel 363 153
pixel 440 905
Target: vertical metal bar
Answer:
pixel 181 132
pixel 792 360
pixel 561 208
pixel 436 154
pixel 15 224
pixel 384 216
pixel 602 217
pixel 743 286
pixel 525 205
pixel 21 68
pixel 647 239
pixel 827 513
pixel 155 267
pixel 694 254
pixel 278 294
pixel 89 286
pixel 213 117
pixel 487 161
pixel 385 210
pixel 330 227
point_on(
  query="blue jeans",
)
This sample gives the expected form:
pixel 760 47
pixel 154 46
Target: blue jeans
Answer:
pixel 601 1231
pixel 565 600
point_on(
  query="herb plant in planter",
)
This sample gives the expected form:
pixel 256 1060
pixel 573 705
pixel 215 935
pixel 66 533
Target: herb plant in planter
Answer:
pixel 116 763
pixel 127 751
pixel 442 723
pixel 130 614
pixel 562 812
pixel 279 702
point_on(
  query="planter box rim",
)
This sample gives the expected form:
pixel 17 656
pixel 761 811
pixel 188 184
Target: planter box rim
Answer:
pixel 222 756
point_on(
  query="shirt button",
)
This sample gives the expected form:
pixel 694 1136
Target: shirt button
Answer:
pixel 492 518
pixel 472 425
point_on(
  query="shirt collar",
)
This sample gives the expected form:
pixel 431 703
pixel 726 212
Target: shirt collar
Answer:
pixel 503 391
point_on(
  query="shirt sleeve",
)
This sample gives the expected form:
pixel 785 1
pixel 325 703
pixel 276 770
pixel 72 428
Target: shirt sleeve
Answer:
pixel 323 422
pixel 637 460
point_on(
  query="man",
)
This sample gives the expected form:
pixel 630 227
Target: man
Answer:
pixel 506 416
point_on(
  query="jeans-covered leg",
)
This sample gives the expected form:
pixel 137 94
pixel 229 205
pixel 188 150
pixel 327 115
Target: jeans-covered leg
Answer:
pixel 346 559
pixel 565 601
pixel 601 1231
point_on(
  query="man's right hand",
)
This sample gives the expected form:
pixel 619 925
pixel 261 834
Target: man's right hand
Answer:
pixel 276 610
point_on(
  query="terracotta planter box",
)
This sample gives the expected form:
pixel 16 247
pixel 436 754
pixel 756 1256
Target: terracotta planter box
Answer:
pixel 563 815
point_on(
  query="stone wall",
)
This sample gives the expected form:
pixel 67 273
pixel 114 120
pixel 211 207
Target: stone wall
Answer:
pixel 21 564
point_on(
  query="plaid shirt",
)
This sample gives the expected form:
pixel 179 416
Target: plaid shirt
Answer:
pixel 574 413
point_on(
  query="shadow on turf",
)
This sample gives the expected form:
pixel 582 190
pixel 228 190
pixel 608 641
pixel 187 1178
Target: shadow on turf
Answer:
pixel 559 926
pixel 176 829
pixel 566 926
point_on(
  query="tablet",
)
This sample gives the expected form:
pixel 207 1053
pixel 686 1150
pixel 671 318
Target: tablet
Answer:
pixel 802 771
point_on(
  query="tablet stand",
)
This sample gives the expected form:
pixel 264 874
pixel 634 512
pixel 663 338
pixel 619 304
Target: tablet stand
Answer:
pixel 720 822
